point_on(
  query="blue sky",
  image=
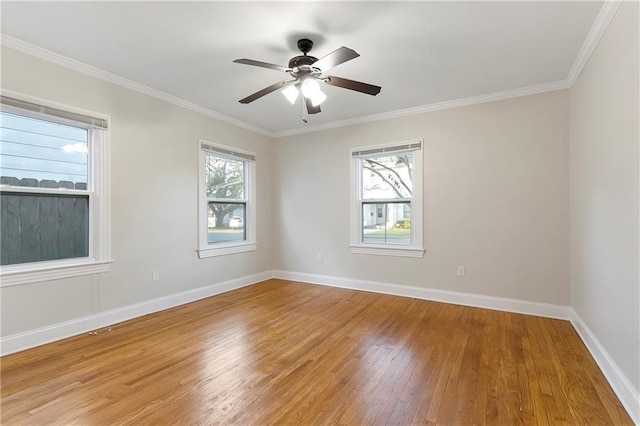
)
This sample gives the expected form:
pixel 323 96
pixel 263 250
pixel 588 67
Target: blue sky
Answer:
pixel 42 150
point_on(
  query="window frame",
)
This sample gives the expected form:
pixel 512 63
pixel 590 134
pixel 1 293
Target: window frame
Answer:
pixel 98 191
pixel 357 246
pixel 206 249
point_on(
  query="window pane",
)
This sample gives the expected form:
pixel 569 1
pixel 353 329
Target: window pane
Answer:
pixel 386 223
pixel 387 177
pixel 226 222
pixel 39 153
pixel 224 178
pixel 43 227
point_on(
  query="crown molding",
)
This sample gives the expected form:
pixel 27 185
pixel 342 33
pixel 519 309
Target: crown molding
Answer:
pixel 456 103
pixel 608 10
pixel 606 14
pixel 47 55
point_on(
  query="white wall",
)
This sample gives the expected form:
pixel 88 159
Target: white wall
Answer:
pixel 154 160
pixel 496 194
pixel 605 191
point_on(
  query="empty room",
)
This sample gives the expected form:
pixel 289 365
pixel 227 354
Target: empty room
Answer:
pixel 320 213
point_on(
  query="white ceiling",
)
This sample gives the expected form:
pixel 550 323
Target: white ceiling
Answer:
pixel 421 53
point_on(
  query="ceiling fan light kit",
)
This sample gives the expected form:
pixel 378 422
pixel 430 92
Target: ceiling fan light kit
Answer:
pixel 291 93
pixel 307 72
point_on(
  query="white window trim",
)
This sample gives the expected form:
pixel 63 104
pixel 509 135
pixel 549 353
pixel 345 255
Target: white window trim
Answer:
pixel 206 250
pixel 99 259
pixel 416 249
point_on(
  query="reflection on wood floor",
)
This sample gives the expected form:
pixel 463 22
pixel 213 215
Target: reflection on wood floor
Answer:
pixel 287 352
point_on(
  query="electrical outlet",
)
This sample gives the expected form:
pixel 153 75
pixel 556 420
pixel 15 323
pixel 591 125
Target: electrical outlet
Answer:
pixel 461 271
pixel 319 258
pixel 155 275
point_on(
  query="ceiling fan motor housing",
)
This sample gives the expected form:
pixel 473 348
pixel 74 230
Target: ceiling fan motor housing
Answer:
pixel 300 61
pixel 302 64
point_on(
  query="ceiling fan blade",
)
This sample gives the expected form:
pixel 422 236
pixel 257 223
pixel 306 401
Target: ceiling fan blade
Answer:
pixel 335 58
pixel 358 86
pixel 265 91
pixel 262 64
pixel 310 108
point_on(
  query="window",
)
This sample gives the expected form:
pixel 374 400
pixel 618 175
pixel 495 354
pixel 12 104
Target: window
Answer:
pixel 53 193
pixel 386 214
pixel 226 208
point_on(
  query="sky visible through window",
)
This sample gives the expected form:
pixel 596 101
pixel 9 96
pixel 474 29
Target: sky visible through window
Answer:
pixel 387 177
pixel 42 150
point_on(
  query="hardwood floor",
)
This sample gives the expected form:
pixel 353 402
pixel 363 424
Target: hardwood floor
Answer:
pixel 293 353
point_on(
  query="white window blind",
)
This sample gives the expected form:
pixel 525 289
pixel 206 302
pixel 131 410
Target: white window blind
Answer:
pixel 226 152
pixel 98 123
pixel 414 146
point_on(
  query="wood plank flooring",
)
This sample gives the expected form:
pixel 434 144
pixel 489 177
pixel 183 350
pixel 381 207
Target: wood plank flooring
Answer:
pixel 283 352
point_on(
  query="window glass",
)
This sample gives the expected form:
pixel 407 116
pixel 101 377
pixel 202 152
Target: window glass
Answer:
pixel 224 178
pixel 388 176
pixel 36 228
pixel 386 223
pixel 38 224
pixel 226 222
pixel 225 187
pixel 40 153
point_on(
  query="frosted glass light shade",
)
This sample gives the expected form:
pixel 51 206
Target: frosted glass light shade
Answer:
pixel 291 93
pixel 318 98
pixel 311 90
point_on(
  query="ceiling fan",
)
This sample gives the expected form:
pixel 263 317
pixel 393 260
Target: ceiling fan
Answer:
pixel 307 72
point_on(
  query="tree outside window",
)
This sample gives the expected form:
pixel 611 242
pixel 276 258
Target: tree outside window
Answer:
pixel 225 186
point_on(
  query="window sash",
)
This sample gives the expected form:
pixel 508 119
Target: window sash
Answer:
pixel 385 214
pixel 205 249
pixel 364 201
pixel 99 258
pixel 54 227
pixel 57 192
pixel 245 176
pixel 357 245
pixel 360 161
pixel 225 231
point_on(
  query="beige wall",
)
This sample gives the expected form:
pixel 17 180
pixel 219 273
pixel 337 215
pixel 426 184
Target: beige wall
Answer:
pixel 604 196
pixel 496 198
pixel 154 155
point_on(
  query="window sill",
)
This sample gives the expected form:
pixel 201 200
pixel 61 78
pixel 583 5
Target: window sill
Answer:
pixel 387 251
pixel 223 250
pixel 20 274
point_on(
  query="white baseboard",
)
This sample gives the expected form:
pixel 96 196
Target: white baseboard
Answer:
pixel 626 392
pixel 623 388
pixel 32 338
pixel 467 299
